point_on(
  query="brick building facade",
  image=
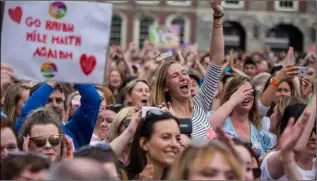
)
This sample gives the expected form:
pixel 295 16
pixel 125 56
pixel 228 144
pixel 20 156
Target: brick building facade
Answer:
pixel 248 25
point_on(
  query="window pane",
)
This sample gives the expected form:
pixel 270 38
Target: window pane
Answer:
pixel 181 23
pixel 116 24
pixel 145 23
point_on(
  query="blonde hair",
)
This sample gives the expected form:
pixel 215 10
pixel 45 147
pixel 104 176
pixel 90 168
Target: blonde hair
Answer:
pixel 127 90
pixel 194 159
pixel 117 120
pixel 157 92
pixel 232 87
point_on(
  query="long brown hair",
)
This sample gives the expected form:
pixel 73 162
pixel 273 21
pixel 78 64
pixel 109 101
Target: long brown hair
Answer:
pixel 232 87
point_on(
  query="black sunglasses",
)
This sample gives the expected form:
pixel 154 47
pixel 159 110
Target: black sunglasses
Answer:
pixel 153 113
pixel 40 141
pixel 114 107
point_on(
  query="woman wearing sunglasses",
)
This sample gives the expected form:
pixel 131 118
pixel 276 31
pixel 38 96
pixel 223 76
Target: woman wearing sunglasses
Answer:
pixel 155 145
pixel 41 133
pixel 204 160
pixel 172 84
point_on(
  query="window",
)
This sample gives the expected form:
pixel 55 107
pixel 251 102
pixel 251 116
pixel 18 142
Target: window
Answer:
pixel 181 23
pixel 145 23
pixel 116 30
pixel 233 4
pixel 147 2
pixel 179 3
pixel 286 5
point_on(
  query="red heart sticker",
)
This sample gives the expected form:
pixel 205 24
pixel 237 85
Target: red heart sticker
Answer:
pixel 87 63
pixel 211 133
pixel 15 14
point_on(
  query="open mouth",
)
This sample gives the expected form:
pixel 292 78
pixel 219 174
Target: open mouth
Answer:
pixel 144 101
pixel 184 87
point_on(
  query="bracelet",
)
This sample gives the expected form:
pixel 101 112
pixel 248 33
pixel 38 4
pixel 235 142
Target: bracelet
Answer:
pixel 274 83
pixel 218 17
pixel 215 25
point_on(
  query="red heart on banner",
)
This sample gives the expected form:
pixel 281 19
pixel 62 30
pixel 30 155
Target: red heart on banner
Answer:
pixel 87 63
pixel 15 14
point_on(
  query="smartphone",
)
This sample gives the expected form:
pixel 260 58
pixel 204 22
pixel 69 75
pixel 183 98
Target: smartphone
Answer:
pixel 164 56
pixel 302 71
pixel 185 126
pixel 144 110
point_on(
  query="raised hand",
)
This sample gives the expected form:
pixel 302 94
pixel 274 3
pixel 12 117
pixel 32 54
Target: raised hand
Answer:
pixel 306 87
pixel 26 141
pixel 243 92
pixel 147 173
pixel 68 148
pixel 216 6
pixel 135 120
pixel 292 133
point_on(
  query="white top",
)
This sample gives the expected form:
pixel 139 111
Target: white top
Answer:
pixel 306 174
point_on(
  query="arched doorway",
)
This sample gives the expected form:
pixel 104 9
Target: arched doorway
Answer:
pixel 145 23
pixel 280 37
pixel 234 35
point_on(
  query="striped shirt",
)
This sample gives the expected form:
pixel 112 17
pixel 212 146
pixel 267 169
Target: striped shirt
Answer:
pixel 202 103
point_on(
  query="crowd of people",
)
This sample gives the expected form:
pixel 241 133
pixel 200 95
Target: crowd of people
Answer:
pixel 190 116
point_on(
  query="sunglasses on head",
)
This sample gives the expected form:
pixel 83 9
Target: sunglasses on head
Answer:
pixel 115 107
pixel 151 113
pixel 54 140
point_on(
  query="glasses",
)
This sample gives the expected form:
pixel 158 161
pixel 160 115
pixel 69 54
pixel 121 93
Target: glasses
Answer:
pixel 114 107
pixel 54 140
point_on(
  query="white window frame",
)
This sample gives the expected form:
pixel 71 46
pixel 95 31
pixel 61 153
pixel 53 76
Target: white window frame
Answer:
pixel 136 32
pixel 170 18
pixel 123 40
pixel 240 5
pixel 279 8
pixel 179 3
pixel 147 2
